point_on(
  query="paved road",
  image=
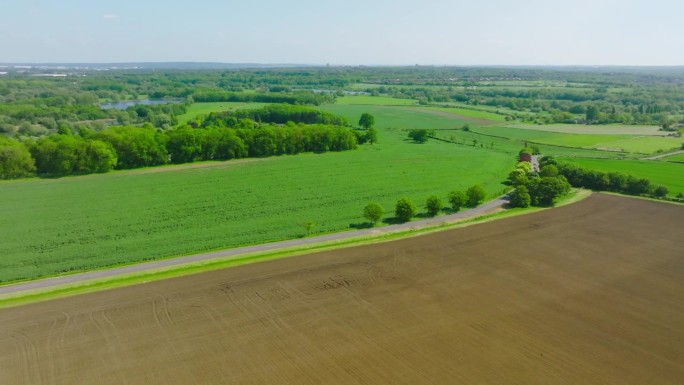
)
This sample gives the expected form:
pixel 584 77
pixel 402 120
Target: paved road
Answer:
pixel 141 267
pixel 655 157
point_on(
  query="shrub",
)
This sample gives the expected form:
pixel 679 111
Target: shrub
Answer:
pixel 520 197
pixel 433 205
pixel 373 212
pixel 457 199
pixel 405 209
pixel 476 195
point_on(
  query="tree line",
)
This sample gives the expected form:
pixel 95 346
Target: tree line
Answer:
pixel 275 113
pixel 405 209
pixel 126 147
pixel 303 97
pixel 613 181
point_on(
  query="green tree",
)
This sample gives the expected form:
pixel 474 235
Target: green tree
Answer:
pixel 15 160
pixel 520 197
pixel 549 170
pixel 457 199
pixel 418 136
pixel 592 114
pixel 433 205
pixel 518 177
pixel 545 191
pixel 101 156
pixel 372 135
pixel 476 195
pixel 525 166
pixel 405 209
pixel 660 192
pixel 373 212
pixel 367 120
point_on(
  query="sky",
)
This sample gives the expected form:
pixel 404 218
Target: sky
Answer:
pixel 350 32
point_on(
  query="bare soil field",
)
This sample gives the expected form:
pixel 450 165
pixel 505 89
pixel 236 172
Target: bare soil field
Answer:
pixel 589 293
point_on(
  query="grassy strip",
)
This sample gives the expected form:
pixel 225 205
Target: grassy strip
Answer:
pixel 90 286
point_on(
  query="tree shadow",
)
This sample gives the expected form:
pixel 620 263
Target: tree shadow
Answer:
pixel 449 211
pixel 392 221
pixel 362 225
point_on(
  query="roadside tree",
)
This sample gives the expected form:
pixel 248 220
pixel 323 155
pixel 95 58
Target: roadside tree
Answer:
pixel 405 209
pixel 457 199
pixel 433 205
pixel 373 212
pixel 476 195
pixel 520 197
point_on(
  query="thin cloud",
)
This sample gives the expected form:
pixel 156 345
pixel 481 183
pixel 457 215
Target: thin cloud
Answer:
pixel 110 16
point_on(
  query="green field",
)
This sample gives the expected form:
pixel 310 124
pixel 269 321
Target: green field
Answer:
pixel 638 144
pixel 643 144
pixel 397 117
pixel 478 114
pixel 675 158
pixel 670 175
pixel 374 100
pixel 52 226
pixel 604 129
pixel 196 109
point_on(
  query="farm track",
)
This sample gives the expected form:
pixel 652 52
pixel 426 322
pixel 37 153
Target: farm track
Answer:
pixel 659 156
pixel 588 293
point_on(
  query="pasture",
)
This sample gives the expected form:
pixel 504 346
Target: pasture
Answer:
pixel 675 158
pixel 603 129
pixel 573 295
pixel 52 226
pixel 197 109
pixel 471 113
pixel 668 174
pixel 374 100
pixel 634 144
pixel 643 144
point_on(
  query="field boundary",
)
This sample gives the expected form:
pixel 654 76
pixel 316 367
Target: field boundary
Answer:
pixel 45 289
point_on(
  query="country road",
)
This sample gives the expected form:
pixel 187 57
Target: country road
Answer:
pixel 17 288
pixel 656 157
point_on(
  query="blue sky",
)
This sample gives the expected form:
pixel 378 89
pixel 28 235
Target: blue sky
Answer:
pixel 372 32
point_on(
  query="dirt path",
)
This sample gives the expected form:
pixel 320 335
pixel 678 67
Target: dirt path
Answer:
pixel 486 208
pixel 535 162
pixel 656 157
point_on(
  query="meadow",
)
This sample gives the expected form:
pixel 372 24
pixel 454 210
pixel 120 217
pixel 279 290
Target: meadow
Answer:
pixel 643 144
pixel 471 113
pixel 52 226
pixel 675 158
pixel 668 174
pixel 197 109
pixel 634 144
pixel 374 100
pixel 594 129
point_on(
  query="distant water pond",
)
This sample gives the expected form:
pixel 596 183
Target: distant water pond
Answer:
pixel 130 103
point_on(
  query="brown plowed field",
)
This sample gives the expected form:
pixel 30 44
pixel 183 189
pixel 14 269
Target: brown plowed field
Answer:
pixel 590 293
